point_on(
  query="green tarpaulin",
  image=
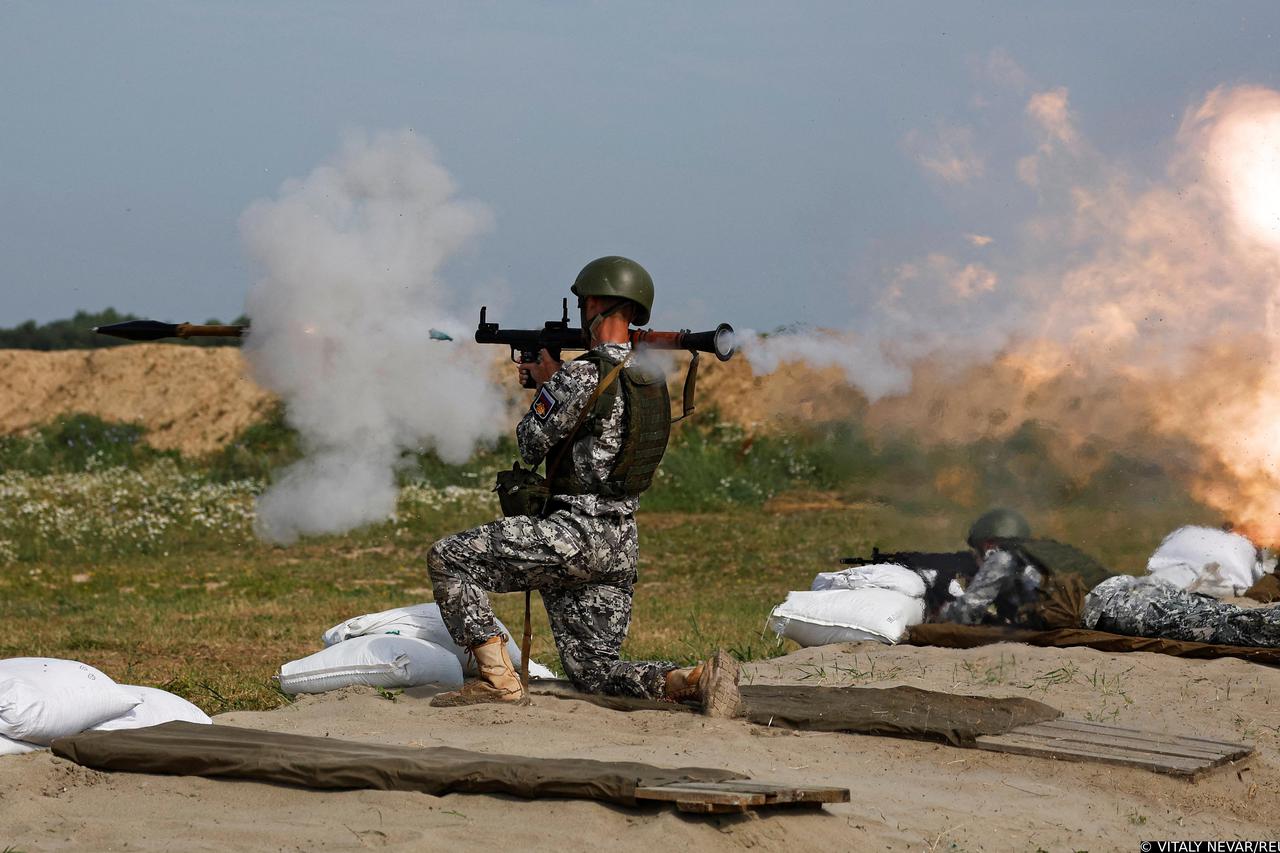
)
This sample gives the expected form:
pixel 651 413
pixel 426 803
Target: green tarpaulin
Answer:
pixel 953 636
pixel 191 749
pixel 894 711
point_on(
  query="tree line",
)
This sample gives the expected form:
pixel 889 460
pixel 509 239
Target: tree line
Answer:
pixel 77 333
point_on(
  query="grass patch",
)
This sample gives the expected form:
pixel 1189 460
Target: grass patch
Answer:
pixel 78 443
pixel 258 450
pixel 144 563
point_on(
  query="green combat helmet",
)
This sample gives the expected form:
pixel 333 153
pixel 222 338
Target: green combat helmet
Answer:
pixel 617 277
pixel 998 523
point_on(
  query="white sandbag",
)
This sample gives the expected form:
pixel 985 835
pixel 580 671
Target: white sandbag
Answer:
pixel 1207 561
pixel 875 576
pixel 158 706
pixel 381 660
pixel 424 622
pixel 537 670
pixel 46 698
pixel 846 616
pixel 18 747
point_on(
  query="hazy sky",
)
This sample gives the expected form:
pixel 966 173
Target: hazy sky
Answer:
pixel 768 162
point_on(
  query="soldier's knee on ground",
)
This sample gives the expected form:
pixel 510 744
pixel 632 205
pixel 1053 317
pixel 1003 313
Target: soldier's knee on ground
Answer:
pixel 588 675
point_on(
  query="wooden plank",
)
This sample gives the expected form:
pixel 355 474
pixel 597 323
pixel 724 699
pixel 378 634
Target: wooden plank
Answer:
pixel 1120 741
pixel 1030 745
pixel 1118 745
pixel 1087 725
pixel 739 795
pixel 738 800
pixel 1154 739
pixel 776 793
pixel 1111 749
pixel 707 808
pixel 1033 745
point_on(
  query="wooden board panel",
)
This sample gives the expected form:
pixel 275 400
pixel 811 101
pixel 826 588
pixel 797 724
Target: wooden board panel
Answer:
pixel 1048 748
pixel 1083 740
pixel 739 800
pixel 739 795
pixel 1128 742
pixel 775 793
pixel 1104 728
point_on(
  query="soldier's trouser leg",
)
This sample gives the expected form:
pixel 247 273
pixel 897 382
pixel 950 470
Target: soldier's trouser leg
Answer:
pixel 1147 607
pixel 584 567
pixel 507 555
pixel 590 624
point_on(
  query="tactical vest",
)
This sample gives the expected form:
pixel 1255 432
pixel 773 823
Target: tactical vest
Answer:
pixel 646 427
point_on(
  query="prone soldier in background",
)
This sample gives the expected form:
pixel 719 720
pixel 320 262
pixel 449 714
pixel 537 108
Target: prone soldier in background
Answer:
pixel 601 422
pixel 1022 581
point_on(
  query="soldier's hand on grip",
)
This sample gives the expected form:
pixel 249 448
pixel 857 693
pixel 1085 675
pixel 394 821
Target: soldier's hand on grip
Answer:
pixel 540 371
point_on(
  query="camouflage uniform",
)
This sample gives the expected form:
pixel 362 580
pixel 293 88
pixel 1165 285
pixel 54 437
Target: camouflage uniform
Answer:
pixel 1003 582
pixel 582 557
pixel 1150 607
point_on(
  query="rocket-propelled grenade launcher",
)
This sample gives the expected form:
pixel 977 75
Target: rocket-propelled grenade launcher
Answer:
pixel 557 335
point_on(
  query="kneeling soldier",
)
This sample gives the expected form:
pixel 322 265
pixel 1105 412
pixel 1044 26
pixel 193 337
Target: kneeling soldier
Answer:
pixel 602 422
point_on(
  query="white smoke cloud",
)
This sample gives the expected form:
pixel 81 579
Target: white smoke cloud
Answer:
pixel 1061 149
pixel 931 305
pixel 948 153
pixel 351 287
pixel 1001 68
pixel 1052 114
pixel 874 369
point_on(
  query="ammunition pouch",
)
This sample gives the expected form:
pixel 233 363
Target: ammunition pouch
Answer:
pixel 521 491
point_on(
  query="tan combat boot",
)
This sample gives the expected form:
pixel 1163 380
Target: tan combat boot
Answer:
pixel 498 681
pixel 712 684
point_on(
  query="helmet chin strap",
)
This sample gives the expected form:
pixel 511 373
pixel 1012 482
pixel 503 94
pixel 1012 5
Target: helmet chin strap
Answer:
pixel 594 326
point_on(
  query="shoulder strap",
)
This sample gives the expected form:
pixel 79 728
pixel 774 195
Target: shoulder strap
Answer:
pixel 586 412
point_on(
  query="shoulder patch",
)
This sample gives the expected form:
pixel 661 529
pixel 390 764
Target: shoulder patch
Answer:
pixel 545 403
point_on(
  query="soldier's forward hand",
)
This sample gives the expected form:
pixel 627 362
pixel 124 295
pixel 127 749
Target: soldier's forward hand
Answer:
pixel 542 370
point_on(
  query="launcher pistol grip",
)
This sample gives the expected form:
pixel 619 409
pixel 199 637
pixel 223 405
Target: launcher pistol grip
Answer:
pixel 526 357
pixel 530 356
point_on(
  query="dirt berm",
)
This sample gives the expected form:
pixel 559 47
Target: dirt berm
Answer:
pixel 196 399
pixel 193 399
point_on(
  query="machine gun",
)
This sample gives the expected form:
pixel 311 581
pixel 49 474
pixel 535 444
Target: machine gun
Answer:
pixel 557 335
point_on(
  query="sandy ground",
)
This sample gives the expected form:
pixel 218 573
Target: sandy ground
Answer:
pixel 907 795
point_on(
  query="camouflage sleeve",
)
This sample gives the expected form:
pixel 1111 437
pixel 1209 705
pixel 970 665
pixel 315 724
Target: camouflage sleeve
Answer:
pixel 998 570
pixel 555 409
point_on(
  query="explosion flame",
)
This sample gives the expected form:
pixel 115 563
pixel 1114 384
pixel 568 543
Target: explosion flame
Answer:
pixel 1129 310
